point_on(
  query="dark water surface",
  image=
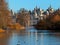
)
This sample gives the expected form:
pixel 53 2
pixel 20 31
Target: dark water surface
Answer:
pixel 29 37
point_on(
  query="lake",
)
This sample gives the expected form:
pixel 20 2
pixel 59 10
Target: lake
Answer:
pixel 29 37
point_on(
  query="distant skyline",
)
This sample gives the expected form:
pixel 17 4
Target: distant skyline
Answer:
pixel 15 5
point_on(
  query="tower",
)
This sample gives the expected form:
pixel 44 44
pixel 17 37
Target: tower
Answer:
pixel 35 12
pixel 50 9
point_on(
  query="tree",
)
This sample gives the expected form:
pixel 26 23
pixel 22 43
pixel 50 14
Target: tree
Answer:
pixel 23 17
pixel 4 14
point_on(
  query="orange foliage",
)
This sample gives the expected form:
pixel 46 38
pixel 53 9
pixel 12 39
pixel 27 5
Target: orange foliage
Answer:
pixel 16 26
pixel 56 18
pixel 1 30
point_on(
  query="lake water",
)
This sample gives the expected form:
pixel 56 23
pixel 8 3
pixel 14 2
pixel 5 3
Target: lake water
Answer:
pixel 29 37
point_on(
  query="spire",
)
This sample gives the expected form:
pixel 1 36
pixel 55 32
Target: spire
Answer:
pixel 12 12
pixel 58 8
pixel 36 7
pixel 50 7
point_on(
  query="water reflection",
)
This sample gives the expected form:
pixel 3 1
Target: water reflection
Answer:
pixel 29 37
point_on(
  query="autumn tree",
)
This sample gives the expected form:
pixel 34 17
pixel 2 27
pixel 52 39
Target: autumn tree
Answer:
pixel 4 14
pixel 23 17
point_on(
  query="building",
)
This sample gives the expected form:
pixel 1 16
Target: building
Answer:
pixel 50 9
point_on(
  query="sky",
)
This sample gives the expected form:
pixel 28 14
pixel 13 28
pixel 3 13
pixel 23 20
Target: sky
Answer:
pixel 15 5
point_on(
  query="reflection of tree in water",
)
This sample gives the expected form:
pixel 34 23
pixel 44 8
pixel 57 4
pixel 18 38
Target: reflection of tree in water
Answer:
pixel 5 37
pixel 21 32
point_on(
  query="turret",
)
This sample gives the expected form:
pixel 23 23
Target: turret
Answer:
pixel 35 12
pixel 50 9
